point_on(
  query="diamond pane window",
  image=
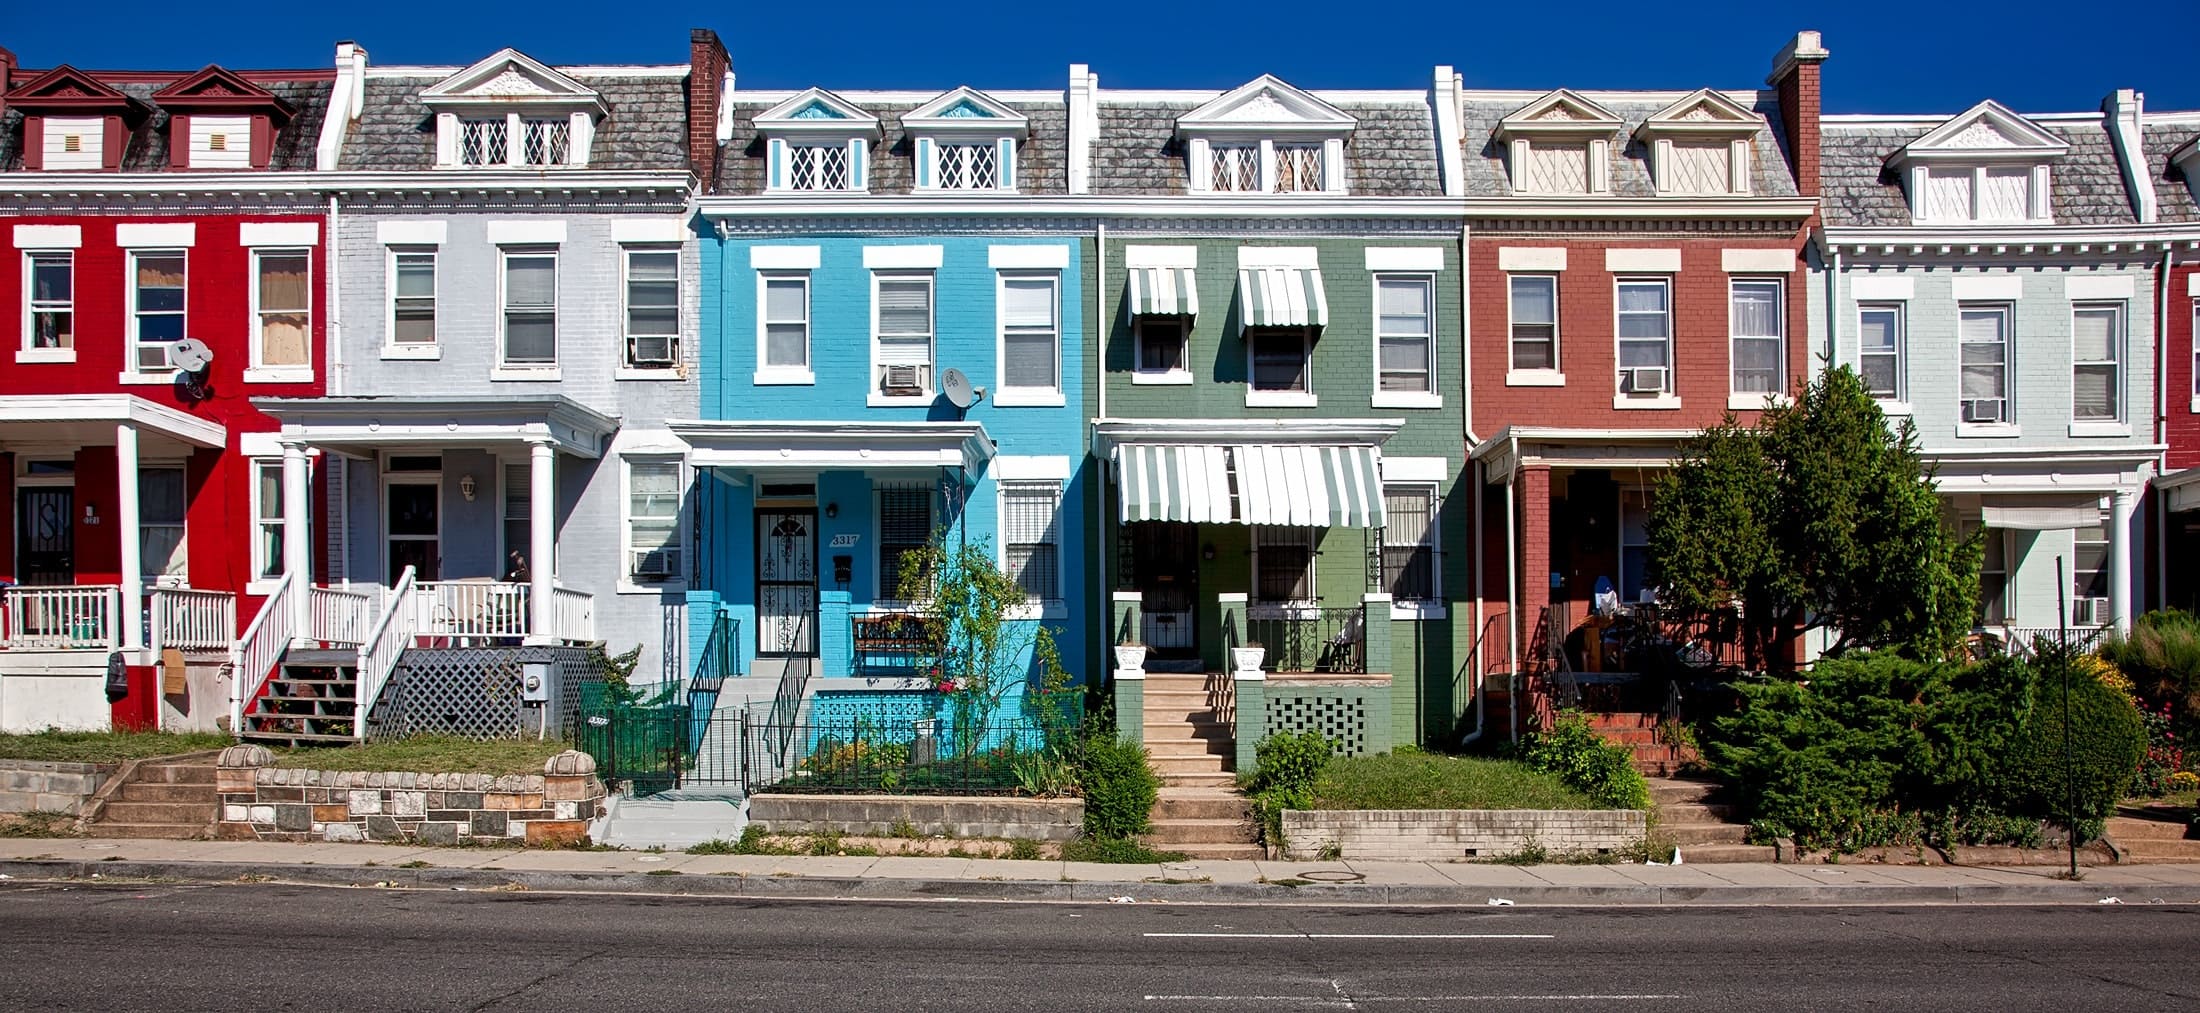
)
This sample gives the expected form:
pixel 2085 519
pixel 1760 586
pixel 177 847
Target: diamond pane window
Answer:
pixel 1702 167
pixel 1234 168
pixel 1298 168
pixel 969 166
pixel 817 167
pixel 1558 168
pixel 547 141
pixel 482 141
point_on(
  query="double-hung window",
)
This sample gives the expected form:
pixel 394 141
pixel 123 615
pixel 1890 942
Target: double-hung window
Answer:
pixel 530 318
pixel 1534 321
pixel 1757 326
pixel 652 308
pixel 902 335
pixel 267 519
pixel 1031 339
pixel 412 298
pixel 161 551
pixel 156 308
pixel 2096 354
pixel 1031 537
pixel 1993 577
pixel 1283 559
pixel 1409 542
pixel 1645 328
pixel 783 326
pixel 1405 335
pixel 1280 359
pixel 653 521
pixel 1982 343
pixel 282 308
pixel 2089 570
pixel 1880 346
pixel 50 300
pixel 904 527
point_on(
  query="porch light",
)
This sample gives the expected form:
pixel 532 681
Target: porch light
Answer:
pixel 466 487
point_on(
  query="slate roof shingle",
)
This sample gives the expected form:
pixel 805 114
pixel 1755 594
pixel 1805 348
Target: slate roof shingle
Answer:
pixel 2085 184
pixel 645 126
pixel 1485 173
pixel 147 146
pixel 2172 189
pixel 1042 160
pixel 1391 153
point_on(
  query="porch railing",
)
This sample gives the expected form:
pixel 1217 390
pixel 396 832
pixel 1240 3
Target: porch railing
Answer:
pixel 72 617
pixel 894 644
pixel 1309 639
pixel 573 614
pixel 254 656
pixel 340 615
pixel 384 645
pixel 473 610
pixel 193 620
pixel 721 658
pixel 2018 640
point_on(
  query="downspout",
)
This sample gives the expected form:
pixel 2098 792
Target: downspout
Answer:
pixel 1100 311
pixel 1466 414
pixel 1833 307
pixel 2161 423
pixel 333 250
pixel 1512 597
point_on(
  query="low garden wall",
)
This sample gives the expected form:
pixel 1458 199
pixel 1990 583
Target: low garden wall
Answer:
pixel 1458 834
pixel 44 786
pixel 1038 819
pixel 262 802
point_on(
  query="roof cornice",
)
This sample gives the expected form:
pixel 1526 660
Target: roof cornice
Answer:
pixel 1642 208
pixel 2048 240
pixel 1077 205
pixel 305 181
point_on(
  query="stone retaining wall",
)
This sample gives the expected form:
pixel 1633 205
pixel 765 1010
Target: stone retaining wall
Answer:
pixel 260 802
pixel 1038 819
pixel 1458 834
pixel 42 786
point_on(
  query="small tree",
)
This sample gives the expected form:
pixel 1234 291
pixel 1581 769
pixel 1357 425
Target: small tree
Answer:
pixel 975 651
pixel 1819 516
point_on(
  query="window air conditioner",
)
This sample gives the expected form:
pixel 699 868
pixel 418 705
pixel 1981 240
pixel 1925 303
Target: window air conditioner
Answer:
pixel 1646 380
pixel 657 350
pixel 902 380
pixel 2089 612
pixel 656 564
pixel 1986 409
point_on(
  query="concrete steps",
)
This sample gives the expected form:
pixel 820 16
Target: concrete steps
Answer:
pixel 1703 830
pixel 1187 741
pixel 161 801
pixel 2151 840
pixel 1203 822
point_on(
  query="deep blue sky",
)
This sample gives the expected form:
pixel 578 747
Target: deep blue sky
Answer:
pixel 1911 57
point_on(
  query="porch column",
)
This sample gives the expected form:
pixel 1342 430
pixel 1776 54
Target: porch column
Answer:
pixel 542 461
pixel 297 543
pixel 2122 580
pixel 130 624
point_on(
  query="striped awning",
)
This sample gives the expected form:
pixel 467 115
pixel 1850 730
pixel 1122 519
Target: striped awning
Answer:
pixel 1163 291
pixel 1316 486
pixel 1282 297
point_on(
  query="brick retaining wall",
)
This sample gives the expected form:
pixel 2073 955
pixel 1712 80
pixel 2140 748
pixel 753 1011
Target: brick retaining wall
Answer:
pixel 1038 819
pixel 1458 834
pixel 43 786
pixel 260 802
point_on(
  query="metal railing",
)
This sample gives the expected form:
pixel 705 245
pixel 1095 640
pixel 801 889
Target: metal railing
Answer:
pixel 384 645
pixel 195 620
pixel 893 644
pixel 470 610
pixel 778 729
pixel 572 614
pixel 721 657
pixel 1309 639
pixel 69 617
pixel 340 615
pixel 256 652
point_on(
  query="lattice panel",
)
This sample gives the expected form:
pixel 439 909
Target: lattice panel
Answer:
pixel 1701 168
pixel 475 693
pixel 1558 168
pixel 1342 720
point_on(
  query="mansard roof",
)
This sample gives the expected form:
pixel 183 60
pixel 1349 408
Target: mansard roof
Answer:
pixel 509 76
pixel 216 88
pixel 1560 113
pixel 1391 151
pixel 1267 105
pixel 1863 187
pixel 1042 158
pixel 643 124
pixel 2163 143
pixel 138 95
pixel 1483 115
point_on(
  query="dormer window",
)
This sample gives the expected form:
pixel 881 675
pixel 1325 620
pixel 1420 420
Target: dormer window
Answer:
pixel 1988 166
pixel 219 120
pixel 72 122
pixel 481 140
pixel 1700 146
pixel 1560 144
pixel 965 140
pixel 1266 137
pixel 817 142
pixel 511 111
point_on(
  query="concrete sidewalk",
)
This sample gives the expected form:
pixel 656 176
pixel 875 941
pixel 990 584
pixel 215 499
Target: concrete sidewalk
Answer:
pixel 1336 882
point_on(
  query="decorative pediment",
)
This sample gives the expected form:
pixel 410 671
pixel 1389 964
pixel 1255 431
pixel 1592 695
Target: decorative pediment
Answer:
pixel 966 110
pixel 817 111
pixel 510 78
pixel 68 90
pixel 1702 113
pixel 1987 132
pixel 1561 113
pixel 1267 107
pixel 214 88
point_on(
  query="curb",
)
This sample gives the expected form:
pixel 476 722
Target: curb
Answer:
pixel 847 888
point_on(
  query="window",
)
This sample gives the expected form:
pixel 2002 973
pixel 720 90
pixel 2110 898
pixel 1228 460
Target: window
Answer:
pixel 2088 567
pixel 412 298
pixel 1534 322
pixel 1030 334
pixel 267 520
pixel 653 521
pixel 1880 345
pixel 904 526
pixel 1298 168
pixel 902 345
pixel 481 141
pixel 1759 329
pixel 519 492
pixel 1161 345
pixel 967 166
pixel 817 167
pixel 50 280
pixel 1409 542
pixel 2097 338
pixel 1993 578
pixel 546 141
pixel 1237 165
pixel 530 308
pixel 1702 167
pixel 1645 336
pixel 160 524
pixel 785 322
pixel 1982 341
pixel 1999 193
pixel 156 307
pixel 1280 357
pixel 1030 536
pixel 652 309
pixel 1234 167
pixel 1283 559
pixel 1556 168
pixel 1634 544
pixel 282 307
pixel 1405 335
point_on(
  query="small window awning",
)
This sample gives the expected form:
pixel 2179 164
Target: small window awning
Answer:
pixel 2041 513
pixel 1305 484
pixel 1163 291
pixel 1282 297
pixel 746 445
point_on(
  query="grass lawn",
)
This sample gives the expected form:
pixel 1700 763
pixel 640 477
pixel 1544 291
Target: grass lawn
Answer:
pixel 429 754
pixel 105 747
pixel 1415 780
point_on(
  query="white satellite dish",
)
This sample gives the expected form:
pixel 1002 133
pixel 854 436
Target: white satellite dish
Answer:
pixel 190 355
pixel 958 389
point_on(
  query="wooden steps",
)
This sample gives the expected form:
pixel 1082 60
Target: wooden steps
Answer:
pixel 162 801
pixel 309 701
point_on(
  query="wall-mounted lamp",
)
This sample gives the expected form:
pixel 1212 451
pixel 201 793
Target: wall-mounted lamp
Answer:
pixel 466 487
pixel 832 510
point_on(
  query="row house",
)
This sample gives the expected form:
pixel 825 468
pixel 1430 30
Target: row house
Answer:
pixel 168 255
pixel 2170 143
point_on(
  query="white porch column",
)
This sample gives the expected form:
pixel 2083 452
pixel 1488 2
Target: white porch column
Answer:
pixel 542 500
pixel 2122 578
pixel 130 624
pixel 297 544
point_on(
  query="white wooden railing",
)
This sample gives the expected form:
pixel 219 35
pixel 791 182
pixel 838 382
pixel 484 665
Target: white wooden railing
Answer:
pixel 69 617
pixel 473 610
pixel 384 645
pixel 197 620
pixel 253 658
pixel 572 614
pixel 341 615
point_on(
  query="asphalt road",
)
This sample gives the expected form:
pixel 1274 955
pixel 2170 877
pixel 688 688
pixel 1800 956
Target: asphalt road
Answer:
pixel 245 947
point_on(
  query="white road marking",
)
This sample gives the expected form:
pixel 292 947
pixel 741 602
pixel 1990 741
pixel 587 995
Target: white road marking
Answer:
pixel 1323 1000
pixel 1348 935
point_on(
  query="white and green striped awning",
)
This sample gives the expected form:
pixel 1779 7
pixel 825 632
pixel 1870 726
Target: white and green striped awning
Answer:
pixel 1163 291
pixel 1282 297
pixel 1316 486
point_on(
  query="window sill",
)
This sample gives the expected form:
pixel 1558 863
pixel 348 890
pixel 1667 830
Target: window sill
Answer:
pixel 1183 378
pixel 777 190
pixel 279 374
pixel 783 377
pixel 538 374
pixel 668 587
pixel 46 355
pixel 878 400
pixel 1414 611
pixel 1988 431
pixel 421 352
pixel 1896 408
pixel 134 379
pixel 1755 402
pixel 1534 378
pixel 631 373
pixel 1279 399
pixel 1027 397
pixel 2100 429
pixel 1406 399
pixel 1633 402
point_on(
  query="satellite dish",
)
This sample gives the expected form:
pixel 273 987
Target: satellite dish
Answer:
pixel 190 355
pixel 958 389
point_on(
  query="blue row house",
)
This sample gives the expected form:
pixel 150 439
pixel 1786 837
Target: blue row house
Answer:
pixel 892 347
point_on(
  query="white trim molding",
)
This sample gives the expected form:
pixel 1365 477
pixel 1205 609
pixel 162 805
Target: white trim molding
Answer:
pixel 411 233
pixel 1415 469
pixel 161 234
pixel 1761 261
pixel 1405 258
pixel 279 234
pixel 1643 261
pixel 1306 258
pixel 2099 286
pixel 1986 288
pixel 650 230
pixel 1531 258
pixel 49 237
pixel 784 258
pixel 903 258
pixel 1027 257
pixel 1184 257
pixel 527 232
pixel 1030 468
pixel 1882 288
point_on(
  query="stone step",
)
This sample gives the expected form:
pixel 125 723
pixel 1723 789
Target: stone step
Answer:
pixel 1228 806
pixel 1615 720
pixel 193 814
pixel 149 831
pixel 162 791
pixel 1723 854
pixel 175 773
pixel 1220 852
pixel 1189 728
pixel 1222 779
pixel 1166 765
pixel 1669 790
pixel 1190 747
pixel 1210 831
pixel 2159 851
pixel 1692 813
pixel 2129 828
pixel 1688 834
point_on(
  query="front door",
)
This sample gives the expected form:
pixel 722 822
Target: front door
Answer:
pixel 413 513
pixel 45 535
pixel 786 583
pixel 1165 562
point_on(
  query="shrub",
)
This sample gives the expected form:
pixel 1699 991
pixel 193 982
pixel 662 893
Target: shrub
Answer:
pixel 1120 788
pixel 2161 657
pixel 2106 741
pixel 1116 851
pixel 1589 764
pixel 1287 764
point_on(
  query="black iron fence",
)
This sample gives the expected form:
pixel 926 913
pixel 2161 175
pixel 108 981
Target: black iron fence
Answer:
pixel 890 645
pixel 1309 639
pixel 659 738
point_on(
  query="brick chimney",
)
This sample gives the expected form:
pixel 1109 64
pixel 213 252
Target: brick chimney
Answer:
pixel 707 68
pixel 7 76
pixel 1795 77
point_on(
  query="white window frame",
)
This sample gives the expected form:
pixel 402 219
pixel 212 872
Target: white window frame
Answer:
pixel 391 347
pixel 132 372
pixel 1428 397
pixel 1199 152
pixel 1897 401
pixel 627 369
pixel 1054 605
pixel 1435 542
pixel 852 149
pixel 182 526
pixel 1738 399
pixel 1182 374
pixel 32 307
pixel 766 372
pixel 1007 396
pixel 929 389
pixel 505 369
pixel 1302 398
pixel 259 371
pixel 515 477
pixel 266 573
pixel 1555 373
pixel 2119 343
pixel 1313 565
pixel 2105 572
pixel 2194 334
pixel 627 583
pixel 934 148
pixel 1669 398
pixel 2007 426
